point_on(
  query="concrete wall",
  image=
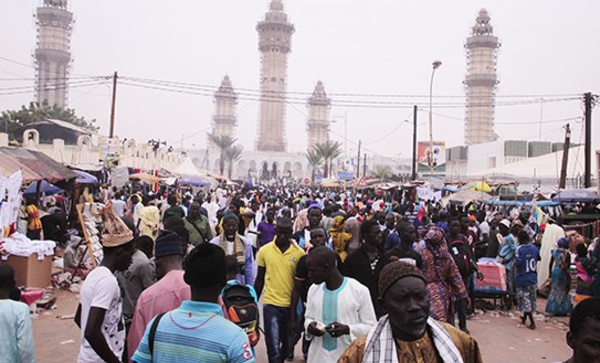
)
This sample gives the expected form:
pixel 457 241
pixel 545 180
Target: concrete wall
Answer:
pixel 130 153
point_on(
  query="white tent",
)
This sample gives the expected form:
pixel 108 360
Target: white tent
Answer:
pixel 546 166
pixel 188 168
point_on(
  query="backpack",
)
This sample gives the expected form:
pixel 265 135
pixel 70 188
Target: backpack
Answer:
pixel 458 250
pixel 242 310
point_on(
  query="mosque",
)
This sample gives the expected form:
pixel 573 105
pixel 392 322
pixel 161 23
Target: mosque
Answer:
pixel 270 158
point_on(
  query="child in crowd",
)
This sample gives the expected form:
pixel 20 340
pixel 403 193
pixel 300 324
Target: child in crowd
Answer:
pixel 16 343
pixel 526 257
pixel 584 274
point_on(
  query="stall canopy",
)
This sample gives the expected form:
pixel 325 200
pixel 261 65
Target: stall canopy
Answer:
pixel 577 196
pixel 35 165
pixel 196 181
pixel 85 178
pixel 45 188
pixel 145 177
pixel 465 197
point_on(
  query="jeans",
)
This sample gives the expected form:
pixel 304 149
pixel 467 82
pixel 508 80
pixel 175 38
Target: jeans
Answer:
pixel 461 305
pixel 277 337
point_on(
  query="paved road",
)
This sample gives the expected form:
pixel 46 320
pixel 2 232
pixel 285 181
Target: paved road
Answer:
pixel 500 337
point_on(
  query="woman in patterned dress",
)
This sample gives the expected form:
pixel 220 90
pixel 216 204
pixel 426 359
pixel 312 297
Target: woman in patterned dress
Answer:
pixel 559 301
pixel 444 282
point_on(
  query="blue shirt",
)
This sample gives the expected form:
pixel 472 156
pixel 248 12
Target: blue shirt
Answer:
pixel 392 240
pixel 526 260
pixel 508 251
pixel 196 332
pixel 16 343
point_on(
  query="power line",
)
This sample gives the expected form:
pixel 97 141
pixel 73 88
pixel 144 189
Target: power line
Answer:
pixel 403 122
pixel 16 62
pixel 337 103
pixel 574 118
pixel 255 92
pixel 242 90
pixel 34 67
pixel 58 84
pixel 31 89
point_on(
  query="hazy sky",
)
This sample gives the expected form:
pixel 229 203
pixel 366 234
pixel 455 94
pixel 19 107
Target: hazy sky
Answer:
pixel 354 47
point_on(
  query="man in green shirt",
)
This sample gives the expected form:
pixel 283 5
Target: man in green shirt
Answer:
pixel 197 225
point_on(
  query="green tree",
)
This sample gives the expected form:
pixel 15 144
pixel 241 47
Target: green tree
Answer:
pixel 328 151
pixel 232 154
pixel 381 171
pixel 222 142
pixel 314 159
pixel 13 121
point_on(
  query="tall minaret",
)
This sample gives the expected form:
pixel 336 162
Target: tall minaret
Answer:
pixel 480 83
pixel 318 116
pixel 275 34
pixel 53 53
pixel 224 119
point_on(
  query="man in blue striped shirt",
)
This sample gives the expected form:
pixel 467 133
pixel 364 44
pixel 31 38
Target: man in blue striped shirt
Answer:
pixel 197 330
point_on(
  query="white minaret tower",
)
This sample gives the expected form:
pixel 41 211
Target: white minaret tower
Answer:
pixel 53 53
pixel 481 81
pixel 224 119
pixel 275 35
pixel 317 124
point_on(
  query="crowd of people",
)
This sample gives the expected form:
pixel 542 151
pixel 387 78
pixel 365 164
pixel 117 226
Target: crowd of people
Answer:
pixel 349 277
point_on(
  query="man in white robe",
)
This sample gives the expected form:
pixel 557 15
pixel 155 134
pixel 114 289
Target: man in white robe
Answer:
pixel 552 234
pixel 339 308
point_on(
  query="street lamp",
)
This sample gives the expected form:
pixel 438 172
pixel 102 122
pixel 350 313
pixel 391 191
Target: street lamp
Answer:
pixel 436 64
pixel 345 131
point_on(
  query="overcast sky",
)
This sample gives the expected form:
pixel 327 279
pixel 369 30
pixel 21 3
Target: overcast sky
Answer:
pixel 354 47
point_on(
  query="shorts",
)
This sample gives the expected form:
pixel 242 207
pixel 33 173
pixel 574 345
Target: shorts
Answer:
pixel 527 298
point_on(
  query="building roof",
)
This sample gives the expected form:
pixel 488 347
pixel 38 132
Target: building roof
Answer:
pixel 64 124
pixel 546 166
pixel 35 165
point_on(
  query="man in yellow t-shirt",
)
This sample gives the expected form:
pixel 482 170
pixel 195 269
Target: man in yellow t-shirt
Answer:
pixel 277 262
pixel 34 225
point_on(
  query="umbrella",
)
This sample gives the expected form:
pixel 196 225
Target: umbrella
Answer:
pixel 145 177
pixel 577 196
pixel 481 186
pixel 85 178
pixel 465 197
pixel 195 181
pixel 45 187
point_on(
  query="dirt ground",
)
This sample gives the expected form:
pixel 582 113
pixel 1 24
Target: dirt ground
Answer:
pixel 500 337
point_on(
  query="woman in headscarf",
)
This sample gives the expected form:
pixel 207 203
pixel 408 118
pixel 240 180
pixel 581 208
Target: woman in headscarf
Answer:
pixel 444 282
pixel 559 301
pixel 149 220
pixel 340 237
pixel 353 227
pixel 301 220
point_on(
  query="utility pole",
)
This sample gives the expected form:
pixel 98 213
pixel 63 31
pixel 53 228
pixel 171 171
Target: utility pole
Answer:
pixel 414 145
pixel 365 166
pixel 565 159
pixel 358 161
pixel 346 134
pixel 588 140
pixel 113 105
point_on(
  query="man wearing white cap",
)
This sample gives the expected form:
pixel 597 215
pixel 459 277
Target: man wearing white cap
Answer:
pixel 497 240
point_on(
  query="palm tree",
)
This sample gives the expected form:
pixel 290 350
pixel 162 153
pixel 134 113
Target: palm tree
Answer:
pixel 381 171
pixel 232 154
pixel 314 159
pixel 222 142
pixel 328 151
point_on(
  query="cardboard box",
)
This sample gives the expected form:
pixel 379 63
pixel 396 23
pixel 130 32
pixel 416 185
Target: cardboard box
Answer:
pixel 29 271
